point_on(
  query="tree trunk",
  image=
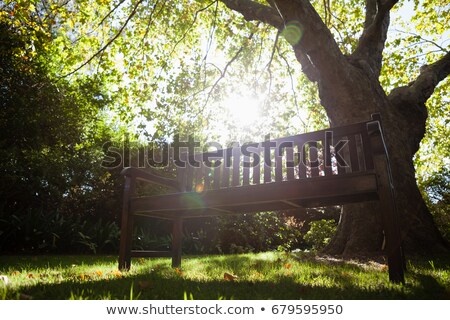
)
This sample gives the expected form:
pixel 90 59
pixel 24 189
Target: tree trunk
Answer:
pixel 350 91
pixel 359 231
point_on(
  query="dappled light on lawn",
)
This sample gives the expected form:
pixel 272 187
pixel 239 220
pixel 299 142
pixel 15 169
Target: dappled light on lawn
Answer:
pixel 268 275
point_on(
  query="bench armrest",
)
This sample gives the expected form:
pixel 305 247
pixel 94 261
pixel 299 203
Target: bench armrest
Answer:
pixel 150 177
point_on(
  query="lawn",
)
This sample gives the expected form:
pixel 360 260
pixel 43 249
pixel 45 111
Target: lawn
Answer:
pixel 271 275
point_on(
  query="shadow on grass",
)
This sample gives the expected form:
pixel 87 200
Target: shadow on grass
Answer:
pixel 431 286
pixel 165 283
pixel 53 261
pixel 158 287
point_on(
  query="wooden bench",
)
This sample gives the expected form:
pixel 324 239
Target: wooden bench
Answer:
pixel 330 167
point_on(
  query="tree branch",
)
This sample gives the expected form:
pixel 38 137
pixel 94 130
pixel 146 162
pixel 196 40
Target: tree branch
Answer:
pixel 224 71
pixel 292 87
pixel 111 12
pixel 317 50
pixel 420 90
pixel 424 40
pixel 371 12
pixel 110 41
pixel 430 75
pixel 190 28
pixel 269 64
pixel 409 101
pixel 371 43
pixel 252 10
pixel 149 24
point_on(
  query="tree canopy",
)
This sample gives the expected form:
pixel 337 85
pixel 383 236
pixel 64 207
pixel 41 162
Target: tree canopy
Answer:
pixel 172 65
pixel 154 68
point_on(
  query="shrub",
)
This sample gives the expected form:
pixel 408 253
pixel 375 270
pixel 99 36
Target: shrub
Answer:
pixel 258 232
pixel 52 232
pixel 320 233
pixel 436 192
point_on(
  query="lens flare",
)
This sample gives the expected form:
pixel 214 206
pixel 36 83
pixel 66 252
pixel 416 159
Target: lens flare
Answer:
pixel 293 32
pixel 192 201
pixel 199 188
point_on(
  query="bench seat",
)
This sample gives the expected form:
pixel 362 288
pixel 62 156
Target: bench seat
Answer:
pixel 312 192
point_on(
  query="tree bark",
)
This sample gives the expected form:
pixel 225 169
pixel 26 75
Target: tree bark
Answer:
pixel 350 92
pixel 403 119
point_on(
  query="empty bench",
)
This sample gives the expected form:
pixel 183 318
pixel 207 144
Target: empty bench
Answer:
pixel 335 166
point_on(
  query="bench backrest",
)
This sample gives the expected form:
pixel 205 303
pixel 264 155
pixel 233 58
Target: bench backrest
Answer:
pixel 324 153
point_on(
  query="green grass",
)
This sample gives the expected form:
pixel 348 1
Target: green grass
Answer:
pixel 260 276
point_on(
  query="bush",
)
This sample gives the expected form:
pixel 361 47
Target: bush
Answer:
pixel 200 235
pixel 320 233
pixel 258 232
pixel 52 232
pixel 436 192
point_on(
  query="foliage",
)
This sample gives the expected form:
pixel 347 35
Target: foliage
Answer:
pixel 235 234
pixel 260 276
pixel 258 232
pixel 164 76
pixel 320 233
pixel 411 45
pixel 200 235
pixel 434 154
pixel 171 65
pixel 436 192
pixel 38 126
pixel 151 234
pixel 55 195
pixel 53 232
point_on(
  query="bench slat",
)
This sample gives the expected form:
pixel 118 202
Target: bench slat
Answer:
pixel 208 177
pixel 278 167
pixel 257 168
pixel 198 179
pixel 328 166
pixel 181 177
pixel 343 153
pixel 360 152
pixel 236 167
pixel 189 177
pixel 353 153
pixel 314 158
pixel 368 160
pixel 302 161
pixel 290 170
pixel 300 139
pixel 267 172
pixel 225 183
pixel 246 172
pixel 216 182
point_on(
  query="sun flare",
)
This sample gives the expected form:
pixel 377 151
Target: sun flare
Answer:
pixel 243 110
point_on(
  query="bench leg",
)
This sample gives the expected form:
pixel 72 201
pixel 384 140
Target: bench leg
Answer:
pixel 126 236
pixel 394 252
pixel 396 266
pixel 389 214
pixel 126 230
pixel 177 239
